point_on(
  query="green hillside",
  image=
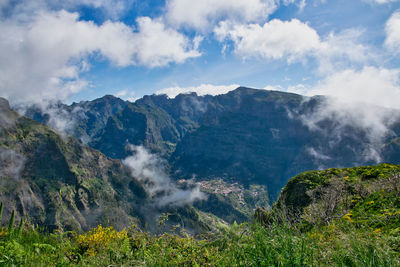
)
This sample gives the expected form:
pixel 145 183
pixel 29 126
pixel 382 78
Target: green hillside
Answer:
pixel 335 217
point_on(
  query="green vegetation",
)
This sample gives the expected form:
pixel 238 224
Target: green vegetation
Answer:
pixel 336 217
pixel 236 245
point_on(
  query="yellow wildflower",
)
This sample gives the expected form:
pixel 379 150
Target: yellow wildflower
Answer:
pixel 347 217
pixel 100 238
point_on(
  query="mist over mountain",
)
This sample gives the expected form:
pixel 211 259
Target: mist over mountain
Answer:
pixel 247 136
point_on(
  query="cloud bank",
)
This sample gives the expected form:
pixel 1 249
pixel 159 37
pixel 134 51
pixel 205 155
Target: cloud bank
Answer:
pixel 42 58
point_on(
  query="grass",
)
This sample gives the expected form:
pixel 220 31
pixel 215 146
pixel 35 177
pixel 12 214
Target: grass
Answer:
pixel 337 244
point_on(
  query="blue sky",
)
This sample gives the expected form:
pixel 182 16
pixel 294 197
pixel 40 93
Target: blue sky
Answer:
pixel 80 50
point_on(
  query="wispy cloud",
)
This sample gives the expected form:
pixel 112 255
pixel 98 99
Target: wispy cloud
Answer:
pixel 203 89
pixel 149 169
pixel 11 164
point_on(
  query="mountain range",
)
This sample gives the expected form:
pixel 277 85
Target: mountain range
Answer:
pixel 248 136
pixel 196 159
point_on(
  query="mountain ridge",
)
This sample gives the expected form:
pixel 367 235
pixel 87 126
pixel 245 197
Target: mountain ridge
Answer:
pixel 60 183
pixel 246 135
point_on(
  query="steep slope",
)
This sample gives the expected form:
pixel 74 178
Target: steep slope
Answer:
pixel 59 183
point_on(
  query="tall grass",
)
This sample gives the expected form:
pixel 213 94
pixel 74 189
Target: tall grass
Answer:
pixel 236 245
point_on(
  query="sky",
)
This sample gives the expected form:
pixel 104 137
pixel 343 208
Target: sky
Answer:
pixel 74 50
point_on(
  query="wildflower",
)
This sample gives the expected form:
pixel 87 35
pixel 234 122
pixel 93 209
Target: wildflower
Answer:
pixel 347 217
pixel 100 238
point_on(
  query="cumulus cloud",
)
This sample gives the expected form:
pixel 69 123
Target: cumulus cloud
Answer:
pixel 203 89
pixel 157 45
pixel 392 30
pixel 202 15
pixel 150 171
pixel 295 41
pixel 43 57
pixel 273 40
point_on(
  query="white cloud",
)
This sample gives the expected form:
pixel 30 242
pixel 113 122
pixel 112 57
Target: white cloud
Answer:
pixel 121 93
pixel 127 95
pixel 341 50
pixel 110 9
pixel 384 1
pixel 202 15
pixel 150 171
pixel 11 164
pixel 377 86
pixel 203 89
pixel 393 33
pixel 274 40
pixel 317 154
pixel 42 58
pixel 300 3
pixel 295 41
pixel 157 45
